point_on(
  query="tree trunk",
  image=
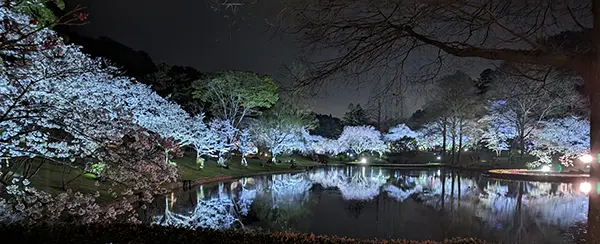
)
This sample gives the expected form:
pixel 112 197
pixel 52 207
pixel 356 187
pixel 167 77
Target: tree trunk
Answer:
pixel 452 192
pixel 244 161
pixel 521 144
pixel 166 156
pixel 593 87
pixel 444 130
pixel 460 134
pixel 443 196
pixel 458 185
pixel 199 161
pixel 453 140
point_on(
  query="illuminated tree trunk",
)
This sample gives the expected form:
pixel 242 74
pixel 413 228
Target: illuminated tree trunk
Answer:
pixel 166 156
pixel 244 161
pixel 444 130
pixel 521 143
pixel 199 161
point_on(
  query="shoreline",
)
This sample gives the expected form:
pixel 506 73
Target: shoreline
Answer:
pixel 173 186
pixel 186 184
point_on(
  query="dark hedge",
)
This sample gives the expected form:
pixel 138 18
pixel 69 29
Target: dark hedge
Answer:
pixel 121 233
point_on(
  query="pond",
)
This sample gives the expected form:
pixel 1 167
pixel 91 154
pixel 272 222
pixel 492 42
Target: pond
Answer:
pixel 384 203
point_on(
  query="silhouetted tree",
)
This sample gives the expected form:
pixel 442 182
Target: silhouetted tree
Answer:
pixel 356 115
pixel 328 126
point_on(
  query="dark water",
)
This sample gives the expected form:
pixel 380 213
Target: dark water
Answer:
pixel 364 202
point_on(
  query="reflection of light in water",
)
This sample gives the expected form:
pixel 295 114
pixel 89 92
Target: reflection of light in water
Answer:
pixel 233 185
pixel 214 213
pixel 287 189
pixel 357 187
pixel 543 207
pixel 361 187
pixel 563 209
pixel 585 187
pixel 328 179
pixel 439 172
pixel 399 194
pixel 173 199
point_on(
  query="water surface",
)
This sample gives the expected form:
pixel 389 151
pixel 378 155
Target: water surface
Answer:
pixel 370 202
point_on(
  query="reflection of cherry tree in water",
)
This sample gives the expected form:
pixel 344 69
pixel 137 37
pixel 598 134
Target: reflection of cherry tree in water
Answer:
pixel 536 205
pixel 287 189
pixel 283 204
pixel 436 191
pixel 402 194
pixel 217 212
pixel 330 178
pixel 360 186
pixel 244 201
pixel 528 213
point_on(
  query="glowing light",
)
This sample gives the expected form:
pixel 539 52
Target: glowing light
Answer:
pixel 363 160
pixel 546 168
pixel 439 158
pixel 586 158
pixel 466 149
pixel 439 172
pixel 266 155
pixel 585 187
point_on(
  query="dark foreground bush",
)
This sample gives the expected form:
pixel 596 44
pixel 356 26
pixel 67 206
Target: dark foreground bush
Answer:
pixel 120 233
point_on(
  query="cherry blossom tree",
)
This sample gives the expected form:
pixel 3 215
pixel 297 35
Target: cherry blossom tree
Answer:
pixel 428 137
pixel 527 94
pixel 322 145
pixel 195 133
pixel 226 134
pixel 245 146
pixel 362 138
pixel 161 116
pixel 497 129
pixel 137 162
pixel 566 137
pixel 282 129
pixel 398 132
pixel 59 104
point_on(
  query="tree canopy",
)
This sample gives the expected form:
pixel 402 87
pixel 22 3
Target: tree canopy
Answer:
pixel 355 115
pixel 233 94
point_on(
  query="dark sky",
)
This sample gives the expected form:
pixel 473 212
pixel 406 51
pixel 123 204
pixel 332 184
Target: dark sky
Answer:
pixel 189 32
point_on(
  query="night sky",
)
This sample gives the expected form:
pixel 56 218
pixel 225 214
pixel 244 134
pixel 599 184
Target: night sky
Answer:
pixel 190 33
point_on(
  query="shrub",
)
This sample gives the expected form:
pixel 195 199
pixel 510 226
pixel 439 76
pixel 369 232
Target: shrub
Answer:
pixel 127 233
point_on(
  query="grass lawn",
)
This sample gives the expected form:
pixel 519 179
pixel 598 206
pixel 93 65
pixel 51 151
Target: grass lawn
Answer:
pixel 54 178
pixel 190 171
pixel 50 178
